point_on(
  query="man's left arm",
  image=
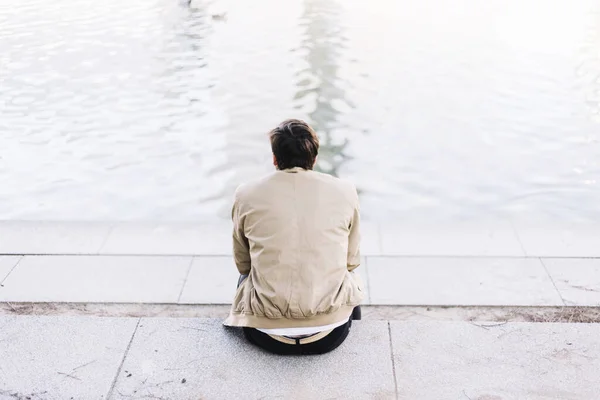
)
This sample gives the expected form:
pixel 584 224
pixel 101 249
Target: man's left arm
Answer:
pixel 354 238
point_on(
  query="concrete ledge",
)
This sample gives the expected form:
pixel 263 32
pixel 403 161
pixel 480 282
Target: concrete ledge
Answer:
pixel 83 238
pixel 436 281
pixel 7 264
pixel 472 240
pixel 499 314
pixel 393 239
pixel 460 281
pixel 182 358
pixel 460 265
pixel 38 237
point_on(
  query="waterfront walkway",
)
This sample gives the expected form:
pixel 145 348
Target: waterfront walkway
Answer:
pixel 497 265
pixel 87 312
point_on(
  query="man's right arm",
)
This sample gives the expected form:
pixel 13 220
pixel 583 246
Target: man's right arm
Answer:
pixel 241 247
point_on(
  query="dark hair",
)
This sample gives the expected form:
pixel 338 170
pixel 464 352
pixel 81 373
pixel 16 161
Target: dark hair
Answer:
pixel 294 144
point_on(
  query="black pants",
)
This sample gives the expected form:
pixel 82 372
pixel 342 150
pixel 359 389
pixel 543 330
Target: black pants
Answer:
pixel 321 346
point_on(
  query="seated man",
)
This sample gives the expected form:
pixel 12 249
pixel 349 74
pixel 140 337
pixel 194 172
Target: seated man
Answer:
pixel 296 242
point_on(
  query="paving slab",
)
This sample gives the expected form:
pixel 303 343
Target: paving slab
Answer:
pixel 170 239
pixel 469 240
pixel 200 359
pixel 214 238
pixel 37 237
pixel 581 240
pixel 213 280
pixel 7 263
pixel 370 239
pixel 196 239
pixel 460 281
pixel 104 279
pixel 49 358
pixel 577 280
pixel 534 361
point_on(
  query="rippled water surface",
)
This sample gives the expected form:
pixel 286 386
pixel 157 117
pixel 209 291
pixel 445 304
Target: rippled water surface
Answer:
pixel 445 109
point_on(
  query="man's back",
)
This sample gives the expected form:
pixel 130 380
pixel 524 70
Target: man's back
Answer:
pixel 296 234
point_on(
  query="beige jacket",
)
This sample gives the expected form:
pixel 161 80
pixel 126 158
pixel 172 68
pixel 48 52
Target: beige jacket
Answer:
pixel 296 233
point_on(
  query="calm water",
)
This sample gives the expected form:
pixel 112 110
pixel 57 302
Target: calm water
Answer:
pixel 152 109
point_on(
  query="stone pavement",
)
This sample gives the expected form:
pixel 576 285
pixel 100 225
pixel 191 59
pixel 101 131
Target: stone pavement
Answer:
pixel 172 270
pixel 180 358
pixel 466 265
pixel 391 280
pixel 392 238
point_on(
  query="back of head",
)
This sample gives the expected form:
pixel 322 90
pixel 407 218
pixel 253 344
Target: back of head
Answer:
pixel 294 144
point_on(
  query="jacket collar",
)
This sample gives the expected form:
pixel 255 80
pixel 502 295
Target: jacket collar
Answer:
pixel 293 170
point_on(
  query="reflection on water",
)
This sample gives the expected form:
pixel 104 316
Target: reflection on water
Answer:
pixel 322 46
pixel 438 109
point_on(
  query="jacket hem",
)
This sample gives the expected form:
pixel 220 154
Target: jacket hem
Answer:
pixel 261 322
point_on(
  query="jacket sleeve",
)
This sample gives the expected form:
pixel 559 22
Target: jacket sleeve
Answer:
pixel 354 238
pixel 241 247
